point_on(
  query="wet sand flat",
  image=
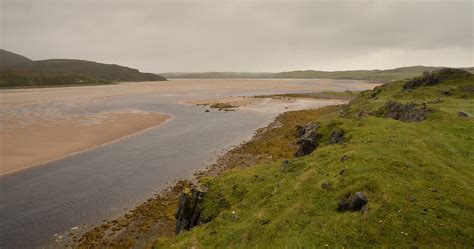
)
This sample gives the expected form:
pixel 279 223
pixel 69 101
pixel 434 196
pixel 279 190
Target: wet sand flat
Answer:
pixel 44 141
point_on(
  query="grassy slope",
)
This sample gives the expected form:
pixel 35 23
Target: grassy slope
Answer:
pixel 396 164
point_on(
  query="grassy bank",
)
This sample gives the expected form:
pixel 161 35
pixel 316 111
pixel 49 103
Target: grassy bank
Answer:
pixel 418 177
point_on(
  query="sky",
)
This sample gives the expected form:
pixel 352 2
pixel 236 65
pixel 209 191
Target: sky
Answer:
pixel 254 36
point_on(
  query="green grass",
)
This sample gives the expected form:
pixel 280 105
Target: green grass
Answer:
pixel 418 177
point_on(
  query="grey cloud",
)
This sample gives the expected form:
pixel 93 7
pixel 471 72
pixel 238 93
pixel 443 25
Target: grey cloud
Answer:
pixel 160 36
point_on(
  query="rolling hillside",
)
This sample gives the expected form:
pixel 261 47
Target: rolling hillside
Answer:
pixel 17 70
pixel 372 75
pixel 9 58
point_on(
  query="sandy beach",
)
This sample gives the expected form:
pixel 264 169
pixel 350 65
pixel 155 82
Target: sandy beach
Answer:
pixel 26 146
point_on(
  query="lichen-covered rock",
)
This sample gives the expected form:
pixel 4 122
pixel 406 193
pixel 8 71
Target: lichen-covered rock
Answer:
pixel 189 210
pixel 337 136
pixel 302 130
pixel 308 139
pixel 352 203
pixel 435 77
pixel 409 112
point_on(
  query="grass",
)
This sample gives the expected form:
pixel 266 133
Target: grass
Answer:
pixel 418 177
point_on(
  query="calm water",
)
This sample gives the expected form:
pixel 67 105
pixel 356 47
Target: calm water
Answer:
pixel 101 183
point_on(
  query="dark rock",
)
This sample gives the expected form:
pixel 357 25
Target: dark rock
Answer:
pixel 326 185
pixel 357 201
pixel 353 203
pixel 302 130
pixel 409 112
pixel 435 77
pixel 345 157
pixel 308 139
pixel 189 210
pixel 341 205
pixel 342 172
pixel 337 136
pixel 206 111
pixel 464 114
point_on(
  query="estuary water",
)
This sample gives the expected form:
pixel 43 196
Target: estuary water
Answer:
pixel 105 182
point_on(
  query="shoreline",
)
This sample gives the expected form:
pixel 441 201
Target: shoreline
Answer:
pixel 166 118
pixel 121 231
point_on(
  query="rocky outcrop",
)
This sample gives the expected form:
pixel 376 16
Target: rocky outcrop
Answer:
pixel 353 202
pixel 308 137
pixel 189 210
pixel 435 77
pixel 409 112
pixel 337 136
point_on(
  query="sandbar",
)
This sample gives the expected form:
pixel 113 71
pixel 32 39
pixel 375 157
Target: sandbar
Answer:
pixel 30 145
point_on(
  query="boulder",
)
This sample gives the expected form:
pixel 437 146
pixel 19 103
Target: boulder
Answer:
pixel 352 203
pixel 189 210
pixel 410 112
pixel 308 139
pixel 464 114
pixel 337 136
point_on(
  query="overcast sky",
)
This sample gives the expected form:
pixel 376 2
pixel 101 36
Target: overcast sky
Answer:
pixel 190 36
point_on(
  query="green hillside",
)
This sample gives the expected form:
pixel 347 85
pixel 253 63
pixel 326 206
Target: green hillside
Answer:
pixel 9 58
pixel 372 75
pixel 407 146
pixel 68 72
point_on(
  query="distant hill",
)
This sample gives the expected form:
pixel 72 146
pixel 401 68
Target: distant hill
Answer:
pixel 8 58
pixel 21 71
pixel 372 75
